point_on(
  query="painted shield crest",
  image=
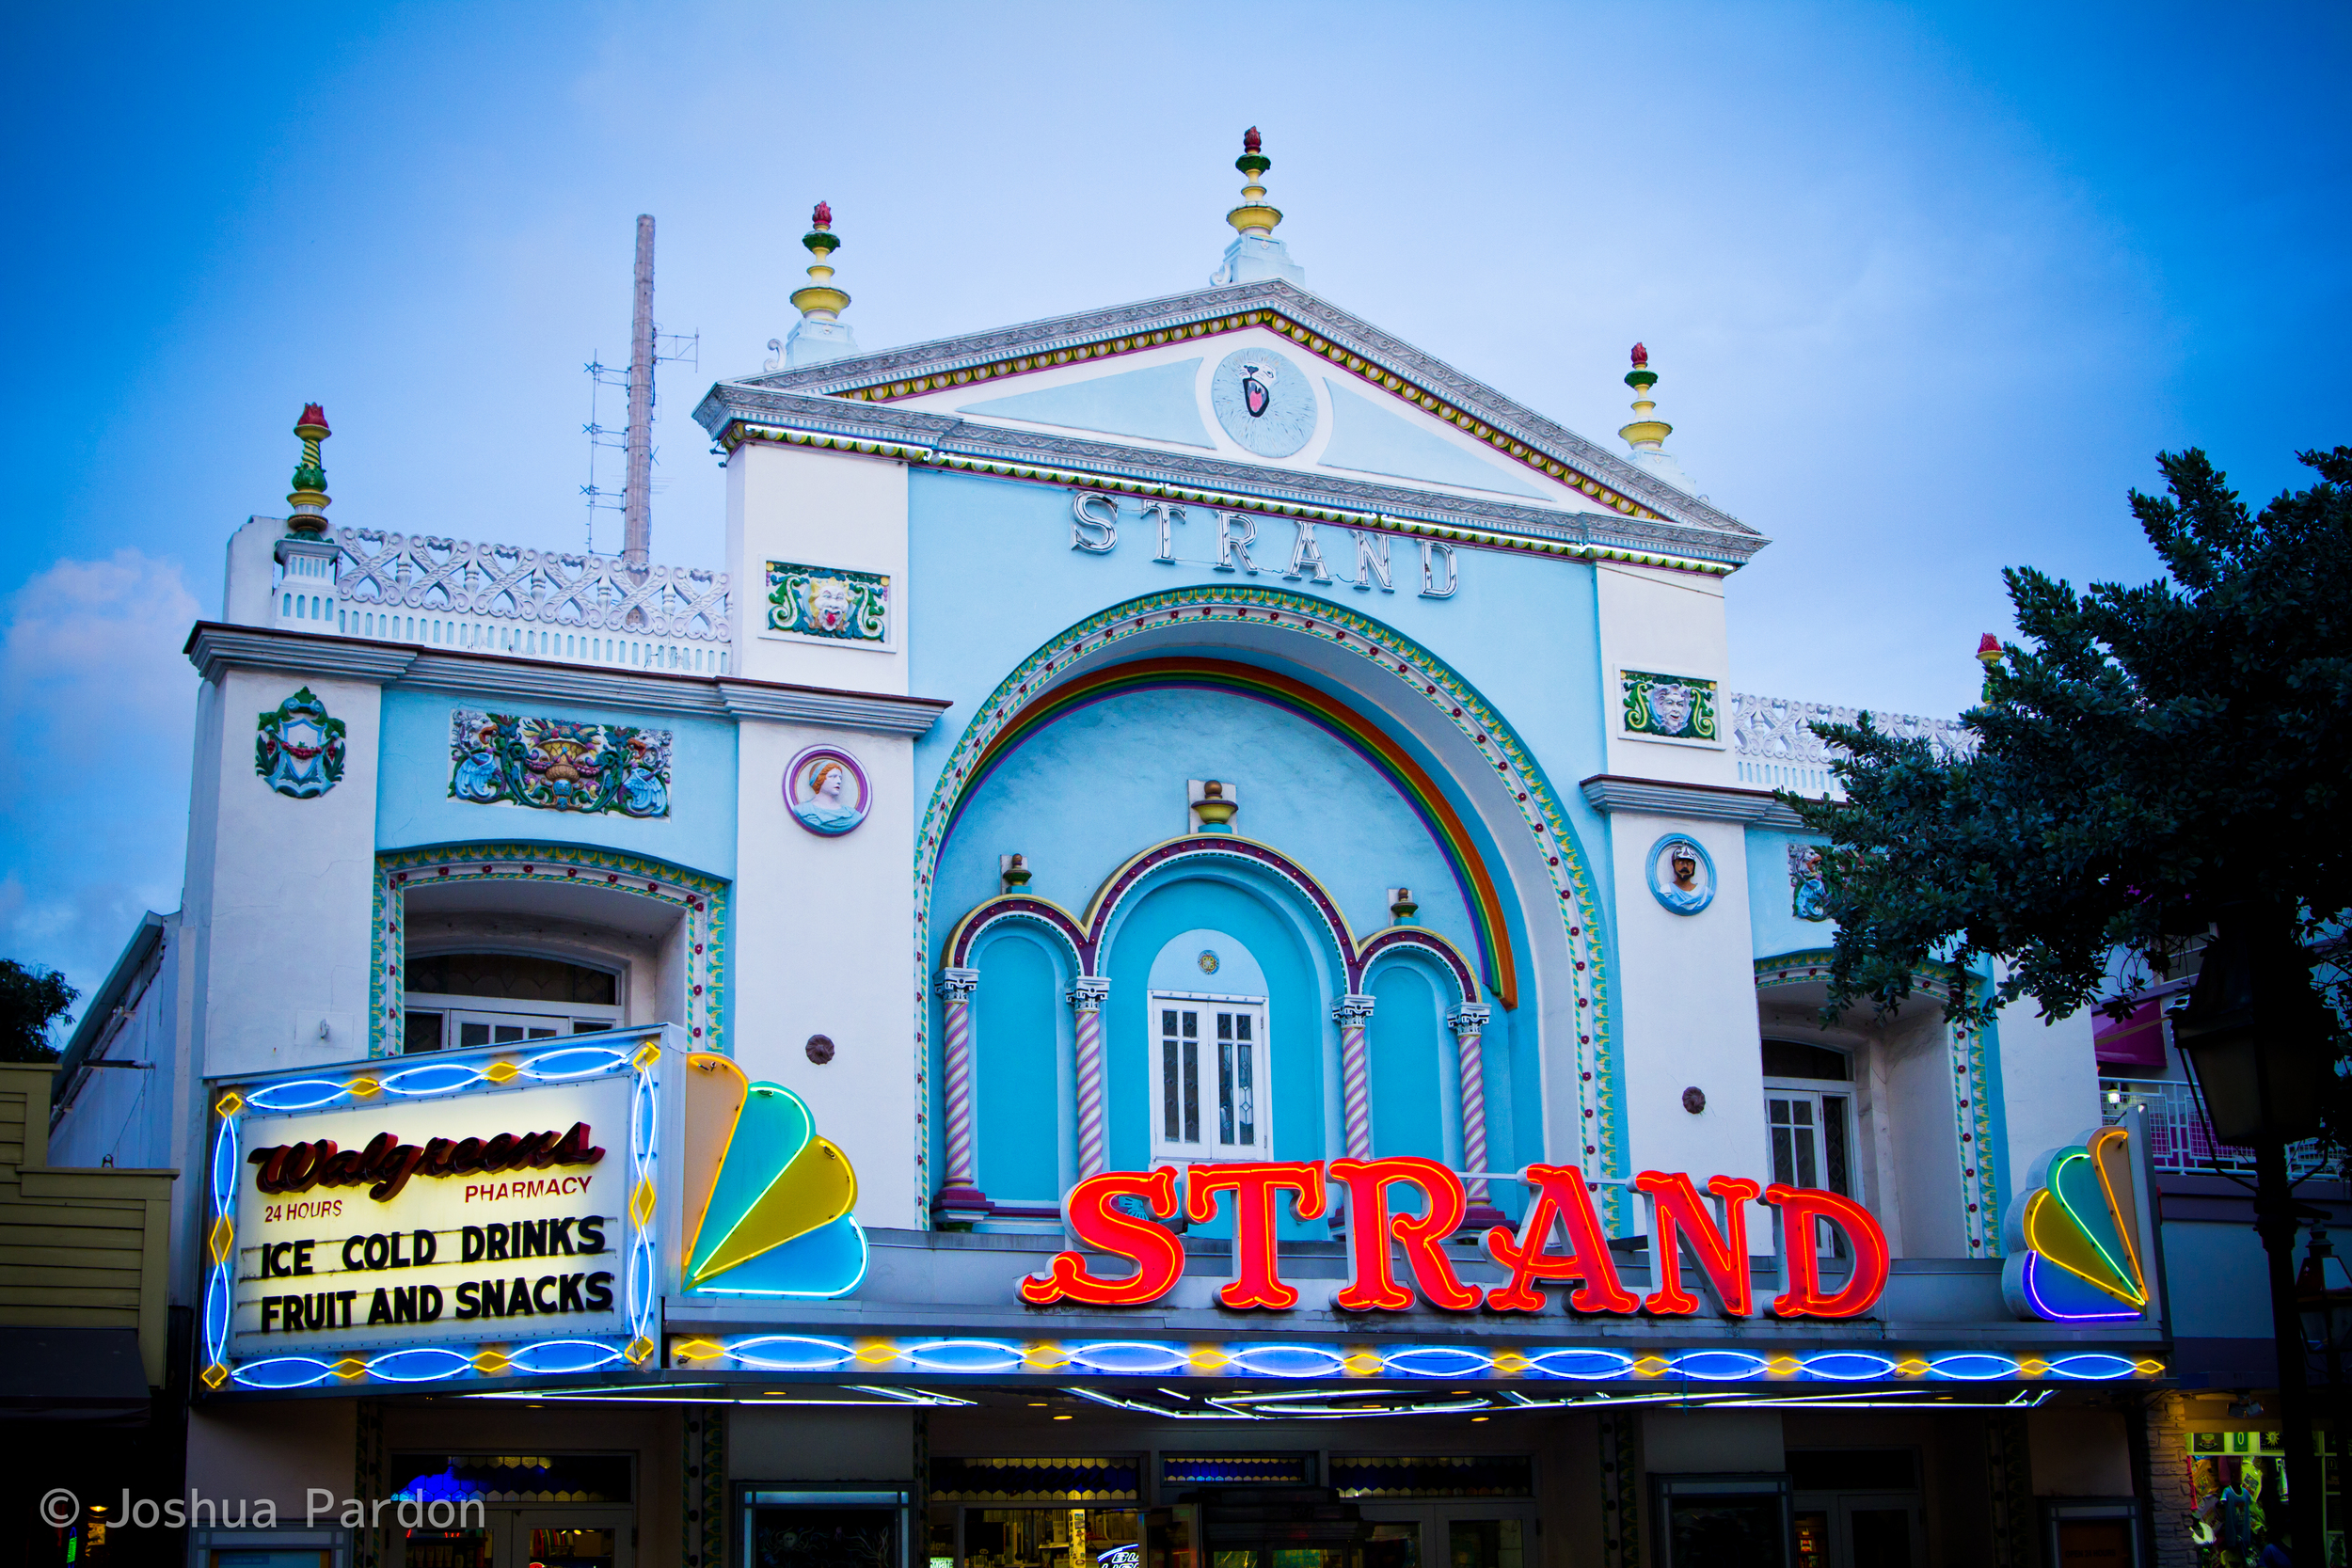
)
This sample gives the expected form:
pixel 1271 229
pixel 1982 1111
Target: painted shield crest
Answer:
pixel 297 749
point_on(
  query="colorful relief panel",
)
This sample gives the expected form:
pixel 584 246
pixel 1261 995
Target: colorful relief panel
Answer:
pixel 297 749
pixel 1808 894
pixel 558 763
pixel 1670 707
pixel 827 603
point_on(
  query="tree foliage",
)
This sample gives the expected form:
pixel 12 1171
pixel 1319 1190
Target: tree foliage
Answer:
pixel 31 998
pixel 2149 758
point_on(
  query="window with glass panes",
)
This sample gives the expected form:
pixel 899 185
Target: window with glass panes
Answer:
pixel 1808 1111
pixel 1210 1056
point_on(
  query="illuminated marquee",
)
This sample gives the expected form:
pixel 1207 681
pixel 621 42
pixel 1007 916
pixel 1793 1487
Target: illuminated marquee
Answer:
pixel 1115 1214
pixel 460 1215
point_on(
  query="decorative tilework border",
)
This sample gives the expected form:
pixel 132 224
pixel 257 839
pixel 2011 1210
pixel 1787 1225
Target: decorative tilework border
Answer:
pixel 735 432
pixel 1426 678
pixel 702 900
pixel 1336 353
pixel 1972 1105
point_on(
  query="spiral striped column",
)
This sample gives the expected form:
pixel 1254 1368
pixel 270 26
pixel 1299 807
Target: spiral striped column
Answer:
pixel 1470 1028
pixel 1353 1014
pixel 960 1196
pixel 1086 1001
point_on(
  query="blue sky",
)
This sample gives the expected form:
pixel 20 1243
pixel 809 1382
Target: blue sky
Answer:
pixel 1927 287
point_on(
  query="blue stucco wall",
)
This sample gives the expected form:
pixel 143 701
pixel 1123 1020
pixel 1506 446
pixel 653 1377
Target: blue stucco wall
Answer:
pixel 1018 1028
pixel 1771 918
pixel 414 806
pixel 1001 580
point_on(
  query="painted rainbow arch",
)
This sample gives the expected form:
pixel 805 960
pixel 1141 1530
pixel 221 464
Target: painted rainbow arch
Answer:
pixel 1417 679
pixel 1326 712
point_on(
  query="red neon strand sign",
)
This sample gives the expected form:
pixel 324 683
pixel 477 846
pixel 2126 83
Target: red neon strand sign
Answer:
pixel 1376 1287
pixel 1562 1206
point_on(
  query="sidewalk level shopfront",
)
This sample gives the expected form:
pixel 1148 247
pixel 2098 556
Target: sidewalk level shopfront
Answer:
pixel 1184 956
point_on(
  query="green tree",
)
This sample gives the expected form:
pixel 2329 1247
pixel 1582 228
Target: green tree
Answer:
pixel 31 998
pixel 2154 763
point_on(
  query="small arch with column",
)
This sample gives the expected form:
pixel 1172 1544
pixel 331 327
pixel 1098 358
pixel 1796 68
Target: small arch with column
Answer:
pixel 1342 967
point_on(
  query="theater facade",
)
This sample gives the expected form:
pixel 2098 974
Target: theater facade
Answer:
pixel 1185 957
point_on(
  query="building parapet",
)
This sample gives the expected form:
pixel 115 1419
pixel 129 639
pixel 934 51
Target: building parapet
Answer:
pixel 1775 747
pixel 458 596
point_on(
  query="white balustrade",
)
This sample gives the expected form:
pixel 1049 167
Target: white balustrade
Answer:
pixel 1773 746
pixel 482 598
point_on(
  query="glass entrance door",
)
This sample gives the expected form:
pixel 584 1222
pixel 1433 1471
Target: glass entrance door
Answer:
pixel 571 1538
pixel 1870 1530
pixel 576 1537
pixel 1450 1535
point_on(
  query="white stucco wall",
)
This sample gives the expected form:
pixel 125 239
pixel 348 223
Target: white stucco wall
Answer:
pixel 2049 1084
pixel 820 509
pixel 1687 1018
pixel 1669 623
pixel 280 891
pixel 821 947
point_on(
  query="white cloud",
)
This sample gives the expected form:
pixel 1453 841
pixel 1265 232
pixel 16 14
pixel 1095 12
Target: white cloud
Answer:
pixel 99 706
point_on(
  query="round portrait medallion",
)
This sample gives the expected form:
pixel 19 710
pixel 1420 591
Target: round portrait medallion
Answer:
pixel 1264 401
pixel 1681 876
pixel 826 791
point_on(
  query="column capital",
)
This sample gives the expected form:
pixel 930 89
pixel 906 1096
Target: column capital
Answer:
pixel 1352 1010
pixel 957 985
pixel 1088 992
pixel 1469 1018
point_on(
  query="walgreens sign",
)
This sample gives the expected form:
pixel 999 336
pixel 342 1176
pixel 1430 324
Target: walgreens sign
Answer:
pixel 1560 1242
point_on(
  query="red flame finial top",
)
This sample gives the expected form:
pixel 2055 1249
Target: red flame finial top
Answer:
pixel 822 218
pixel 1988 647
pixel 1250 141
pixel 313 418
pixel 1641 358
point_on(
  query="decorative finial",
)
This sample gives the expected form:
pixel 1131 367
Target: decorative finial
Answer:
pixel 819 334
pixel 1215 808
pixel 1402 905
pixel 1989 654
pixel 308 500
pixel 1253 216
pixel 820 298
pixel 1645 434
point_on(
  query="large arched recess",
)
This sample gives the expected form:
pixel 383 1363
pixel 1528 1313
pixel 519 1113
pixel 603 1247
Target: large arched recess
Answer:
pixel 1476 765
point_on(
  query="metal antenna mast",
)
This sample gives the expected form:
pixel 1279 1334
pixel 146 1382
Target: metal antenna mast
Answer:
pixel 637 495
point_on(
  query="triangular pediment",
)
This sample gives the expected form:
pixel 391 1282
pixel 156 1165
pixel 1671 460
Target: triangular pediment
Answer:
pixel 1257 395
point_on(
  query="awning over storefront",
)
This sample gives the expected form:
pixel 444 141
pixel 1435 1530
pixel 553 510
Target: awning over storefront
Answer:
pixel 72 1375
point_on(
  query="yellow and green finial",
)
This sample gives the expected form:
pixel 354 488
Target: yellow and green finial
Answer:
pixel 1253 216
pixel 308 500
pixel 820 298
pixel 1645 434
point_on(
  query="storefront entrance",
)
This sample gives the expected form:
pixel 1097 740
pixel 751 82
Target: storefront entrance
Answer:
pixel 526 1537
pixel 1450 1535
pixel 1857 1508
pixel 517 1511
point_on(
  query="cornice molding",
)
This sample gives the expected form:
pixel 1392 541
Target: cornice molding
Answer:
pixel 849 710
pixel 740 411
pixel 1615 792
pixel 213 648
pixel 886 372
pixel 492 676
